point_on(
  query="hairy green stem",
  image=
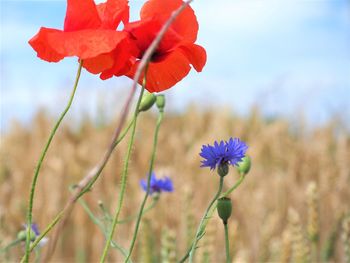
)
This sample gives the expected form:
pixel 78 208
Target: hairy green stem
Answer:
pixel 229 191
pixel 37 255
pixel 227 244
pixel 124 175
pixel 240 180
pixel 153 156
pixel 96 176
pixel 41 159
pixel 201 227
pixel 130 218
pixel 44 233
pixel 98 222
pixel 10 245
pixel 59 215
pixel 106 216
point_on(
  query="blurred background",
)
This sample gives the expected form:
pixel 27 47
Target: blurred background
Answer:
pixel 277 76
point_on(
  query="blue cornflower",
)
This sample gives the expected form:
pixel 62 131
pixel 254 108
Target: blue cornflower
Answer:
pixel 225 152
pixel 158 185
pixel 35 233
pixel 34 228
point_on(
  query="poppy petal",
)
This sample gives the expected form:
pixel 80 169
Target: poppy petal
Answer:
pixel 185 24
pixel 81 14
pixel 124 57
pixel 53 45
pixel 113 12
pixel 145 31
pixel 195 54
pixel 88 43
pixel 107 74
pixel 98 64
pixel 45 51
pixel 164 72
pixel 118 69
pixel 115 63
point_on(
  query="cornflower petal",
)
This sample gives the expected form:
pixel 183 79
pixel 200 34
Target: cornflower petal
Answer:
pixel 230 152
pixel 158 185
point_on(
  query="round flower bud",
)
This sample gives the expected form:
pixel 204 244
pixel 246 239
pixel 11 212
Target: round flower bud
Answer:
pixel 147 101
pixel 160 102
pixel 223 169
pixel 22 235
pixel 224 208
pixel 244 165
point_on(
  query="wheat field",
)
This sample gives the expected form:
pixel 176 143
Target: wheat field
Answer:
pixel 293 206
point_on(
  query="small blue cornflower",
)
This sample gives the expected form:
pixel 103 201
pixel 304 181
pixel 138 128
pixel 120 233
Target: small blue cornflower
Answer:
pixel 158 185
pixel 35 229
pixel 36 233
pixel 223 153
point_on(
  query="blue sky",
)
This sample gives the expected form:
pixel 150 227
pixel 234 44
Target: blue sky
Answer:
pixel 287 56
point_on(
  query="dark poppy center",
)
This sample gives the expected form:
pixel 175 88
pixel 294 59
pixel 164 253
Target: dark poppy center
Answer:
pixel 155 56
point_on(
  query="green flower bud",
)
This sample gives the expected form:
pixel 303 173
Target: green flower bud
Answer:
pixel 22 235
pixel 224 208
pixel 160 102
pixel 244 165
pixel 223 169
pixel 147 101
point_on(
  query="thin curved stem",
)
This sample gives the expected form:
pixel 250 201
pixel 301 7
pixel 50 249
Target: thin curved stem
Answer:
pixel 10 245
pixel 153 156
pixel 183 259
pixel 122 221
pixel 44 233
pixel 227 244
pixel 124 133
pixel 41 159
pixel 98 173
pixel 229 191
pixel 210 214
pixel 60 214
pixel 142 65
pixel 130 218
pixel 124 175
pixel 98 222
pixel 201 227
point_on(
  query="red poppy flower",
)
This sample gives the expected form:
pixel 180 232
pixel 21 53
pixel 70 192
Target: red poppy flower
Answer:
pixel 90 34
pixel 171 61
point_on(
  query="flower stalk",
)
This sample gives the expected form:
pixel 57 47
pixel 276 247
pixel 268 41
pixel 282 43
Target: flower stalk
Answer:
pixel 100 224
pixel 227 244
pixel 210 213
pixel 124 173
pixel 202 225
pixel 153 156
pixel 224 207
pixel 42 157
